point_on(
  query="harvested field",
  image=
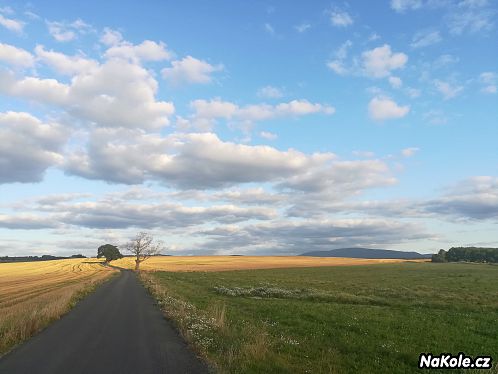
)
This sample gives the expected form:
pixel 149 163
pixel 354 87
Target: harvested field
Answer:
pixel 34 293
pixel 222 263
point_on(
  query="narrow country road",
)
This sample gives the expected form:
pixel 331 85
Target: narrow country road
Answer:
pixel 116 329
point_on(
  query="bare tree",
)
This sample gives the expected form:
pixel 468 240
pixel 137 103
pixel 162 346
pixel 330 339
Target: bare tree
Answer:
pixel 142 247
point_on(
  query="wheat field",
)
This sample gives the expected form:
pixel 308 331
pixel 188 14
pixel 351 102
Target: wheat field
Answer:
pixel 32 294
pixel 222 263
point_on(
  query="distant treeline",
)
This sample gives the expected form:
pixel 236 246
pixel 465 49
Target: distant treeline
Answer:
pixel 36 258
pixel 468 254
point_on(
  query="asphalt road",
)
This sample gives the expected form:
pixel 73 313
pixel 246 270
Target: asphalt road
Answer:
pixel 116 329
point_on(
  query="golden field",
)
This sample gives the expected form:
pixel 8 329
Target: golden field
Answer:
pixel 34 293
pixel 222 263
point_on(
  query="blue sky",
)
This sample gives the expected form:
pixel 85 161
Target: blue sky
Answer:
pixel 248 127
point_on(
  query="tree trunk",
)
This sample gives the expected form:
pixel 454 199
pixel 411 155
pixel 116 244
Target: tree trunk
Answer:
pixel 137 265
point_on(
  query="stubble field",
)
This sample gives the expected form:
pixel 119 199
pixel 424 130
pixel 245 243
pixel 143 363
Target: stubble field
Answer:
pixel 32 294
pixel 224 263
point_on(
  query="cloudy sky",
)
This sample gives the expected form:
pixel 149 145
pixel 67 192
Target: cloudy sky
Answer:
pixel 262 127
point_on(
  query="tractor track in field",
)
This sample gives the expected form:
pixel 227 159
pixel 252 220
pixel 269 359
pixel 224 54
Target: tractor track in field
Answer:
pixel 116 329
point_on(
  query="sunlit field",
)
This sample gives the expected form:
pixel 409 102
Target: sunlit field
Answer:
pixel 34 293
pixel 222 263
pixel 344 319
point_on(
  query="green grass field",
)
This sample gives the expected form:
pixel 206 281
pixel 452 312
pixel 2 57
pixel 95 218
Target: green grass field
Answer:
pixel 376 318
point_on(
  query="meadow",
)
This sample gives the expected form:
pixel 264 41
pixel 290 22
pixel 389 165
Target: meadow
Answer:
pixel 361 319
pixel 222 263
pixel 32 294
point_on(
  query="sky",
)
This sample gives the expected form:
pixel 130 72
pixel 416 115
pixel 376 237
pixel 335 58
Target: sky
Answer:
pixel 254 128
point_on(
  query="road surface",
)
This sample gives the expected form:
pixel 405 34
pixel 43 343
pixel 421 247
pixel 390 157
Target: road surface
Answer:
pixel 116 329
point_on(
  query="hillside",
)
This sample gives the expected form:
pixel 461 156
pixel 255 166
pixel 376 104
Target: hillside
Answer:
pixel 366 253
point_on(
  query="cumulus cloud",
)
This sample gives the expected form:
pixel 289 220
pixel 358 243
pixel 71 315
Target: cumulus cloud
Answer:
pixel 302 27
pixel 489 81
pixel 148 50
pixel 16 56
pixel 340 18
pixel 270 92
pixel 28 147
pixel 216 108
pixel 190 70
pixel 117 93
pixel 12 24
pixel 475 198
pixel 26 222
pixel 111 37
pixel 64 64
pixel 471 17
pixel 401 6
pixel 425 38
pixel 395 82
pixel 409 152
pixel 383 108
pixel 268 135
pixel 447 89
pixel 107 215
pixel 183 160
pixel 309 235
pixel 65 32
pixel 381 61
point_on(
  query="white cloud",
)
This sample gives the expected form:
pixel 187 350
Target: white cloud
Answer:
pixel 114 94
pixel 413 92
pixel 65 64
pixel 383 108
pixel 131 157
pixel 340 18
pixel 473 198
pixel 190 70
pixel 268 135
pixel 409 152
pixel 380 61
pixel 447 89
pixel 489 80
pixel 269 29
pixel 61 32
pixel 28 147
pixel 148 50
pixel 302 27
pixel 444 61
pixel 471 17
pixel 212 109
pixel 270 92
pixel 342 51
pixel 111 37
pixel 395 82
pixel 425 38
pixel 296 237
pixel 404 5
pixel 337 67
pixel 16 56
pixel 364 154
pixel 11 24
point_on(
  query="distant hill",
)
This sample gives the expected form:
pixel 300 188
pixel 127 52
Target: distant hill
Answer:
pixel 367 253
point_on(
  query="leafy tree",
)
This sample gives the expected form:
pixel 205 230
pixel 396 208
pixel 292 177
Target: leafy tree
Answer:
pixel 142 247
pixel 440 256
pixel 469 254
pixel 109 251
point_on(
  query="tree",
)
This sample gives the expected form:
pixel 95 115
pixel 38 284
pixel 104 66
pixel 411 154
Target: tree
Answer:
pixel 109 251
pixel 439 257
pixel 142 247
